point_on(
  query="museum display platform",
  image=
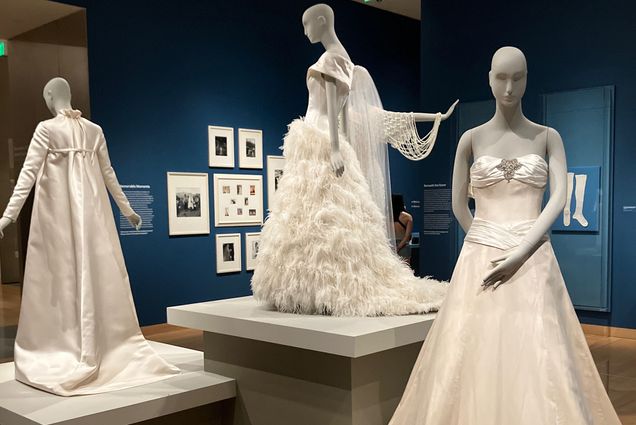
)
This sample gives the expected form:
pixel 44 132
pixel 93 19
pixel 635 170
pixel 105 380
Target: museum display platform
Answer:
pixel 193 388
pixel 293 369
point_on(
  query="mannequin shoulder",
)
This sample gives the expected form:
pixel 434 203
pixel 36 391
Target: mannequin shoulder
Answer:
pixel 540 132
pixel 468 138
pixel 554 142
pixel 553 134
pixel 49 124
pixel 334 64
pixel 337 56
pixel 47 127
pixel 91 127
pixel 42 130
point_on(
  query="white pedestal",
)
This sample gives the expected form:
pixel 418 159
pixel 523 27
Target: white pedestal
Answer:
pixel 24 405
pixel 293 369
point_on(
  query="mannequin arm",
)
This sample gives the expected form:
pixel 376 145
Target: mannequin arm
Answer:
pixel 508 264
pixel 426 117
pixel 33 163
pixel 337 163
pixel 461 180
pixel 113 184
pixel 558 187
pixel 401 131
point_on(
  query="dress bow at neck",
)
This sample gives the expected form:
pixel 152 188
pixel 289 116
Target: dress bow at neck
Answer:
pixel 71 113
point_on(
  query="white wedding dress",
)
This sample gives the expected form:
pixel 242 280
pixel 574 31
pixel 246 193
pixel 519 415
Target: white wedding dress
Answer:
pixel 78 331
pixel 324 249
pixel 515 355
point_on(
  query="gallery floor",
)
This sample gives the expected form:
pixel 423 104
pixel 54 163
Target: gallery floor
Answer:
pixel 614 356
pixel 614 359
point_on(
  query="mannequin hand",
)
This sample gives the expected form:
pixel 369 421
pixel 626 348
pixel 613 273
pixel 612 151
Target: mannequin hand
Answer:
pixel 450 110
pixel 337 163
pixel 506 266
pixel 4 222
pixel 135 221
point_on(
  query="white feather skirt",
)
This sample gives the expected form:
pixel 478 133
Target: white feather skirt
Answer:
pixel 323 246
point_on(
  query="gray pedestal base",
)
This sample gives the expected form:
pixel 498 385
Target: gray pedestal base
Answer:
pixel 284 385
pixel 306 370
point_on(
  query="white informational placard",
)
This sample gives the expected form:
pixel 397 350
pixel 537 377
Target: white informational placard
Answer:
pixel 141 201
pixel 188 204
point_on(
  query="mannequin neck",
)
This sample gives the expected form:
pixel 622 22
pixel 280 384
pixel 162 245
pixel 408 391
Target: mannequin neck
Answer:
pixel 331 42
pixel 509 117
pixel 60 105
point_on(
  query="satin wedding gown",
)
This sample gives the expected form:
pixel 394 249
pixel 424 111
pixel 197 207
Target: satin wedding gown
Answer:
pixel 515 355
pixel 78 331
pixel 323 247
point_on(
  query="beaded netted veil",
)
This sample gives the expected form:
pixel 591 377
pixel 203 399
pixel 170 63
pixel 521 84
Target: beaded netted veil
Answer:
pixel 370 129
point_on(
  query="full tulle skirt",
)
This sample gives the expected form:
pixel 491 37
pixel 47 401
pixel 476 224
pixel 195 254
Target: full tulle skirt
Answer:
pixel 511 356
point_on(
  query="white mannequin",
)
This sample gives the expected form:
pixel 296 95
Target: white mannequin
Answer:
pixel 509 134
pixel 318 22
pixel 57 95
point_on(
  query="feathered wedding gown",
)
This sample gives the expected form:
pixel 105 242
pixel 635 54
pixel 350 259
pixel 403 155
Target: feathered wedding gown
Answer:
pixel 515 355
pixel 324 249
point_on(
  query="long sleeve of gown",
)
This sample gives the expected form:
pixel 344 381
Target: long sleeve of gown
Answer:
pixel 28 175
pixel 111 179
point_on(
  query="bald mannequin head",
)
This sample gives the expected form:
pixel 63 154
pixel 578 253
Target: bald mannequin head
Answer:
pixel 57 95
pixel 509 55
pixel 318 20
pixel 508 76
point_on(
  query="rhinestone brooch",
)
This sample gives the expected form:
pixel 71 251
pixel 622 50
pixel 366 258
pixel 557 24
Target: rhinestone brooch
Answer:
pixel 509 167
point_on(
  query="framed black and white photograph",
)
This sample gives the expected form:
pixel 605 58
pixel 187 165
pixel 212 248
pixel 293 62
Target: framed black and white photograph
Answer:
pixel 228 253
pixel 250 148
pixel 238 200
pixel 220 147
pixel 188 204
pixel 275 165
pixel 252 246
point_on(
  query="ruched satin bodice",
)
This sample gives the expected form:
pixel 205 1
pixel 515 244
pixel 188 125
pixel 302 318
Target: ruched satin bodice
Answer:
pixel 508 191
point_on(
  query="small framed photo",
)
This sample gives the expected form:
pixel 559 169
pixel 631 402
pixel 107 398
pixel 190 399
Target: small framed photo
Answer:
pixel 220 146
pixel 252 246
pixel 275 165
pixel 238 200
pixel 228 253
pixel 250 148
pixel 188 204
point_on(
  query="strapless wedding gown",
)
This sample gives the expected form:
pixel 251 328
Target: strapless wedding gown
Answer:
pixel 324 249
pixel 515 355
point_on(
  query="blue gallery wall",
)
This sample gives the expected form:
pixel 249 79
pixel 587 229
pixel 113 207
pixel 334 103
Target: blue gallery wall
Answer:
pixel 568 45
pixel 162 71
